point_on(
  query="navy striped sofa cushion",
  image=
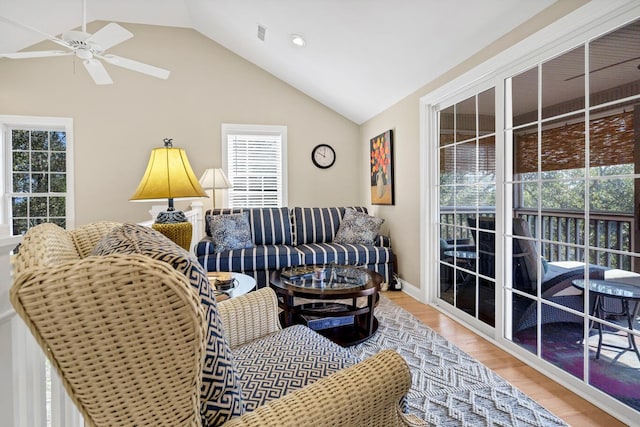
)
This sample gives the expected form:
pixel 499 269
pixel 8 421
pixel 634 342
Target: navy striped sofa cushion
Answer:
pixel 269 226
pixel 262 257
pixel 317 225
pixel 339 253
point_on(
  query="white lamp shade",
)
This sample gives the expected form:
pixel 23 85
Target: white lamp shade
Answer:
pixel 214 179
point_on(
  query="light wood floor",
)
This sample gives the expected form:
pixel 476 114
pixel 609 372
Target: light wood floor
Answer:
pixel 572 408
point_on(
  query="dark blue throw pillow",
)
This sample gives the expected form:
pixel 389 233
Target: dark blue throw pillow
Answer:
pixel 229 232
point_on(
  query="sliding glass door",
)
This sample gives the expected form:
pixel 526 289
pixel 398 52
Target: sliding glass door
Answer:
pixel 572 125
pixel 467 188
pixel 538 214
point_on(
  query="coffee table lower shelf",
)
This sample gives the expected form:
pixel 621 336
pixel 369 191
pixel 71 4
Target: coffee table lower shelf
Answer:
pixel 355 332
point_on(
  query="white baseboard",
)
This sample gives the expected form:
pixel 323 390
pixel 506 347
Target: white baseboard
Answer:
pixel 411 290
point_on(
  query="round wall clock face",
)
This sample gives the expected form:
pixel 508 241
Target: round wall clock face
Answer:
pixel 323 156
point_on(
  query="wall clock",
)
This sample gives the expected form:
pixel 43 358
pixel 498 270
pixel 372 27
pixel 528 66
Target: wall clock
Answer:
pixel 323 156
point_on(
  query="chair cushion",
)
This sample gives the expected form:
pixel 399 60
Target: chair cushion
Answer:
pixel 317 225
pixel 230 231
pixel 269 226
pixel 221 396
pixel 358 228
pixel 275 365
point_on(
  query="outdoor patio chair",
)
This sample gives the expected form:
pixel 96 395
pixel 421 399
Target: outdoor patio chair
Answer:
pixel 556 281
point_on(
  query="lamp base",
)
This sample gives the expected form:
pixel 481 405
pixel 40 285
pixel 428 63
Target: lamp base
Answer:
pixel 178 232
pixel 170 217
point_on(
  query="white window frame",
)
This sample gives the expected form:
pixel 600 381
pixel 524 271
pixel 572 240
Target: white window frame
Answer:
pixel 590 21
pixel 48 123
pixel 271 130
pixel 25 362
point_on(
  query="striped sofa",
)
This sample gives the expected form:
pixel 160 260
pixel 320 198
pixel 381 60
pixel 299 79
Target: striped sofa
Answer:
pixel 285 237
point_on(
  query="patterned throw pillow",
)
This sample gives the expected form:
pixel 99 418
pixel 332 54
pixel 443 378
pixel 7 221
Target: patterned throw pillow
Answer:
pixel 221 394
pixel 358 228
pixel 229 232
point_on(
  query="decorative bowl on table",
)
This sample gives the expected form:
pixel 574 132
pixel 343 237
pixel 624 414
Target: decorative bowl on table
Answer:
pixel 222 280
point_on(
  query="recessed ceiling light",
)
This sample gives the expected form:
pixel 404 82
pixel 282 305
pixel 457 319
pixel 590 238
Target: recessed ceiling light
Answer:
pixel 297 40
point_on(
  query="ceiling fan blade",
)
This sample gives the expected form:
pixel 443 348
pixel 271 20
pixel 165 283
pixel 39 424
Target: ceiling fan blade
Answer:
pixel 109 35
pixel 35 54
pixel 140 67
pixel 27 27
pixel 97 72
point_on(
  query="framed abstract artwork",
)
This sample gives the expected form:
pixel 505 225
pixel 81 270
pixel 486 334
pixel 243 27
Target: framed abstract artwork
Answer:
pixel 381 157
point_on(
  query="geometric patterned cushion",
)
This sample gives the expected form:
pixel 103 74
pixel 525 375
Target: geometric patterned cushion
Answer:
pixel 229 232
pixel 285 361
pixel 317 225
pixel 357 228
pixel 221 396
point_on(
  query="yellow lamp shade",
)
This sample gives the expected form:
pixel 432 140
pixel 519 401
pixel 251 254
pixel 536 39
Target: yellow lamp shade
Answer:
pixel 168 176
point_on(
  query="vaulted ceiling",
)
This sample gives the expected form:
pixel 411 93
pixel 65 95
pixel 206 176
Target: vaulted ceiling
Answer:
pixel 361 56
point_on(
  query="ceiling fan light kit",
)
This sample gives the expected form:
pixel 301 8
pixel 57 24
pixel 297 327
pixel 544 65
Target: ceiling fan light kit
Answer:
pixel 90 48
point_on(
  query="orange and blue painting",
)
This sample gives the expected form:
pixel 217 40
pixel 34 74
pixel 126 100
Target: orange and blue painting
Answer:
pixel 381 156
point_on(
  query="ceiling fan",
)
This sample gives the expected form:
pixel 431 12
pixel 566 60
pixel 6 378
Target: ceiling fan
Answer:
pixel 90 48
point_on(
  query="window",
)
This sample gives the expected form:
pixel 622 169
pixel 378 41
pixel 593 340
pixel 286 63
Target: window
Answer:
pixel 36 172
pixel 36 177
pixel 254 158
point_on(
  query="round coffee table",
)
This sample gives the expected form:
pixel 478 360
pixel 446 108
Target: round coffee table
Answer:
pixel 333 309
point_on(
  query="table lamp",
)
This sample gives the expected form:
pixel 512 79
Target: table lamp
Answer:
pixel 214 179
pixel 169 176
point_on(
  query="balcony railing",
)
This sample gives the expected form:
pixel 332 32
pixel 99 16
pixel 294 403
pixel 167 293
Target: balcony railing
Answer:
pixel 562 234
pixel 563 239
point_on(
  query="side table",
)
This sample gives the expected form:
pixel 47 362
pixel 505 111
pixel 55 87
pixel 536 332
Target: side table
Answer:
pixel 627 294
pixel 179 232
pixel 464 259
pixel 245 284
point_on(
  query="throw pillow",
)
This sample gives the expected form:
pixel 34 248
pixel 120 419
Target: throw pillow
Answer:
pixel 358 228
pixel 229 232
pixel 221 395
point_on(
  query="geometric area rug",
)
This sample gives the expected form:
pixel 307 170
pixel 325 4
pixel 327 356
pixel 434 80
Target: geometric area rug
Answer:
pixel 449 387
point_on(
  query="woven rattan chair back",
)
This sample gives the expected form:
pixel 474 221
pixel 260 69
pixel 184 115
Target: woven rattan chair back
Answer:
pixel 125 334
pixel 44 244
pixel 87 236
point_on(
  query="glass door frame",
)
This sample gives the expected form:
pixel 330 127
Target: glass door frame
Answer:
pixel 564 35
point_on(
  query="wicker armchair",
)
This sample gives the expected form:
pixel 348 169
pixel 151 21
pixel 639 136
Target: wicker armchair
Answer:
pixel 82 314
pixel 82 310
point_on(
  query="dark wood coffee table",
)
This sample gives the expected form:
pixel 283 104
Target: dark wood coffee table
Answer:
pixel 334 298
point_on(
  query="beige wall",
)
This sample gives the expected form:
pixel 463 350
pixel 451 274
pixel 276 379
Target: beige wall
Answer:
pixel 116 126
pixel 403 219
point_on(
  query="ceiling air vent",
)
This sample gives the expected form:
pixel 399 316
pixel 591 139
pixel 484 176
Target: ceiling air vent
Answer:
pixel 262 32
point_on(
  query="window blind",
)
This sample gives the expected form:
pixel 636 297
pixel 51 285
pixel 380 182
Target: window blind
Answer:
pixel 255 170
pixel 611 143
pixel 473 159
